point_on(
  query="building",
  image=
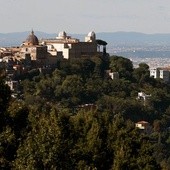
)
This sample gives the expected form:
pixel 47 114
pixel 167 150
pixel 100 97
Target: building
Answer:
pixel 162 73
pixel 142 95
pixel 112 75
pixel 64 46
pixel 142 125
pixel 45 53
pixel 165 75
pixel 38 53
pixel 154 72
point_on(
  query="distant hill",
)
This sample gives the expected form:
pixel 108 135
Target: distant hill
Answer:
pixel 134 37
pixel 16 38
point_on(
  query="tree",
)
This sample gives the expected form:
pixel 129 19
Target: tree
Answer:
pixel 13 132
pixel 5 95
pixel 142 73
pixel 83 67
pixel 48 143
pixel 121 65
pixel 71 90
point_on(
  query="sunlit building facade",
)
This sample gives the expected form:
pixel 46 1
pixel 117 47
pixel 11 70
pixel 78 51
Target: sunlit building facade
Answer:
pixel 67 47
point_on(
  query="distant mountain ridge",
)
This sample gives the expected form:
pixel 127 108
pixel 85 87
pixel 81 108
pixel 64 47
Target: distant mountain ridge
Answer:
pixel 16 38
pixel 135 37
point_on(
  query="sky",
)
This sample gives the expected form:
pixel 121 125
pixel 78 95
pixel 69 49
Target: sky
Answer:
pixel 83 16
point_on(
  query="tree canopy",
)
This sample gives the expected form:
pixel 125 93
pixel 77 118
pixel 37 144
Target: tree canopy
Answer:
pixel 77 117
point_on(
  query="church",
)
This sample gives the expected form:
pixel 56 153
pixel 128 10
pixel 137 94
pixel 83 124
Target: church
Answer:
pixel 33 50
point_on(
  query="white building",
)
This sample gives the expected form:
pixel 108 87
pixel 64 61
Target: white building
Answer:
pixel 113 75
pixel 67 47
pixel 163 73
pixel 154 72
pixel 142 95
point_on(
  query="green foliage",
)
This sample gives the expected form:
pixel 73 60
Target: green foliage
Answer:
pixel 41 145
pixel 121 65
pixel 5 95
pixel 53 127
pixel 101 42
pixel 142 74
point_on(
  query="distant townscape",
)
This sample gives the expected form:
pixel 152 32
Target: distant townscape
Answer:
pixel 153 55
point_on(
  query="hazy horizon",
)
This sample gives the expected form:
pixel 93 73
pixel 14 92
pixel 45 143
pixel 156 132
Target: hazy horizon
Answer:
pixel 80 17
pixel 41 31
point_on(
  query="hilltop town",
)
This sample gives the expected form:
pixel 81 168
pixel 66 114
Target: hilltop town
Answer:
pixel 44 54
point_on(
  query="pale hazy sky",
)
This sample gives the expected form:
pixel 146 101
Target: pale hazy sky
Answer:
pixel 82 16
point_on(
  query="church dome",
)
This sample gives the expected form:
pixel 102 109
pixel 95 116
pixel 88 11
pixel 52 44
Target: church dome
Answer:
pixel 32 39
pixel 62 34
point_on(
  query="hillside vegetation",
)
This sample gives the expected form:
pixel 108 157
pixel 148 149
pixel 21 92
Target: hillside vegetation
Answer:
pixel 77 117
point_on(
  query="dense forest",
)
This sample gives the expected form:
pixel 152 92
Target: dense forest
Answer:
pixel 77 117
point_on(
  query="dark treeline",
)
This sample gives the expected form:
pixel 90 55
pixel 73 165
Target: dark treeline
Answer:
pixel 77 117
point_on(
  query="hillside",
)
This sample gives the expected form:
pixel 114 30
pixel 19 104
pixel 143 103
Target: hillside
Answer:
pixel 78 117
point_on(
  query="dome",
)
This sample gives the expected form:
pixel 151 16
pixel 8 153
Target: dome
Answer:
pixel 92 34
pixel 62 34
pixel 32 39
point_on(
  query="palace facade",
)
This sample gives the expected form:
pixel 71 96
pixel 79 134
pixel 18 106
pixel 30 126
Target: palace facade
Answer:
pixel 64 46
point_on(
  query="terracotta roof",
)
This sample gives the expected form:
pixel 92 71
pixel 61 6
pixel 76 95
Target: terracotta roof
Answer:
pixel 142 122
